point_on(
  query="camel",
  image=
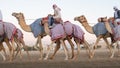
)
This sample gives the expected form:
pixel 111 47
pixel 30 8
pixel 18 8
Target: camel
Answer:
pixel 27 28
pixel 82 19
pixel 70 30
pixel 11 35
pixel 57 35
pixel 114 30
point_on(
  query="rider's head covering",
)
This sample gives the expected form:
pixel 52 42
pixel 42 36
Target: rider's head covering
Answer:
pixel 115 8
pixel 54 5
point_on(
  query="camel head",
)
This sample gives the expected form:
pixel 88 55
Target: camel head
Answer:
pixel 18 15
pixel 21 21
pixel 81 19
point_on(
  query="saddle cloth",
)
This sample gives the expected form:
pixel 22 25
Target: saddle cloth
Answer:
pixel 99 29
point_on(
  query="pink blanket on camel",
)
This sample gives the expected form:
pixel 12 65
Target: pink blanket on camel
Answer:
pixel 78 33
pixel 57 32
pixel 116 31
pixel 9 30
pixel 74 30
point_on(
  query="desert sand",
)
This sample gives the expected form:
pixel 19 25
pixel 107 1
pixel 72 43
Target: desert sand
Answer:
pixel 100 60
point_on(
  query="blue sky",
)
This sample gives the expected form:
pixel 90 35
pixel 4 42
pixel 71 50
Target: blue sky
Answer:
pixel 34 9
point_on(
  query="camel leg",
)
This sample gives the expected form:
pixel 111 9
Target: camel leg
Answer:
pixel 57 47
pixel 48 50
pixel 86 44
pixel 9 46
pixel 37 42
pixel 72 46
pixel 41 47
pixel 13 50
pixel 65 48
pixel 118 48
pixel 78 49
pixel 4 58
pixel 23 43
pixel 20 54
pixel 2 49
pixel 95 45
pixel 111 51
pixel 18 50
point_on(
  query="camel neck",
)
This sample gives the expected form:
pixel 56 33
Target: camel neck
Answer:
pixel 87 27
pixel 23 25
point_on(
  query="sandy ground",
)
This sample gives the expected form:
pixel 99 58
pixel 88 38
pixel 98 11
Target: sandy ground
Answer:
pixel 100 60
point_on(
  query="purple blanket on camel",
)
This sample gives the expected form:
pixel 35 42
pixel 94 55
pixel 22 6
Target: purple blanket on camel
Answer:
pixel 9 30
pixel 57 32
pixel 116 32
pixel 74 30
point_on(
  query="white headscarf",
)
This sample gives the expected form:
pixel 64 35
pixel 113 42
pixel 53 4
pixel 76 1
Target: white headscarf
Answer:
pixel 54 5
